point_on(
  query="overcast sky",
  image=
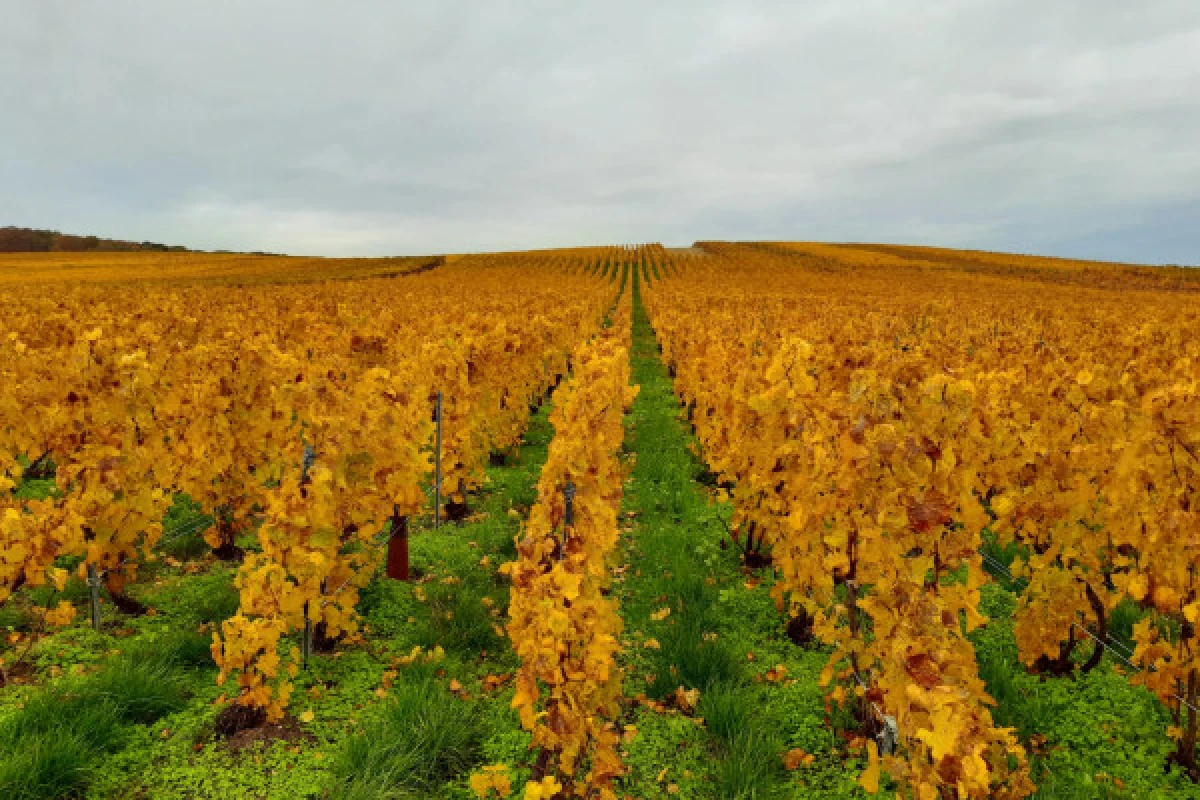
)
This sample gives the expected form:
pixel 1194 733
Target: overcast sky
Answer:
pixel 1068 127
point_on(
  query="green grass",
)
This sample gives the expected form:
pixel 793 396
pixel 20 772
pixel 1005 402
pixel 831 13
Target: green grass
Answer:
pixel 746 770
pixel 719 634
pixel 420 740
pixel 52 746
pixel 14 618
pixel 687 659
pixel 459 620
pixel 76 591
pixel 54 764
pixel 36 489
pixel 728 711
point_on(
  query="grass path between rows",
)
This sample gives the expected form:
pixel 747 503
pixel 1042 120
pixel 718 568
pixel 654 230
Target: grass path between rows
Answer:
pixel 695 620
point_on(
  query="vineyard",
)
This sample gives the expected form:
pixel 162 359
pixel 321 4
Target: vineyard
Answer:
pixel 740 520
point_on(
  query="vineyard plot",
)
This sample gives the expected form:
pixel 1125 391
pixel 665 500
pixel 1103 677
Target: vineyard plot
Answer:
pixel 881 521
pixel 880 421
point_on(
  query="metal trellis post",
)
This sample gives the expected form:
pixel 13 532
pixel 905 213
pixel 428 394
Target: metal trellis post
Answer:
pixel 568 515
pixel 93 579
pixel 307 642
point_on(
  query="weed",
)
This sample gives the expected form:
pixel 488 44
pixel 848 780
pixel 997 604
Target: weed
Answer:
pixel 54 764
pixel 750 768
pixel 49 747
pixel 459 622
pixel 691 659
pixel 728 711
pixel 421 739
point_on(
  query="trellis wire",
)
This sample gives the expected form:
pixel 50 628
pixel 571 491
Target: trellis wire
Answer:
pixel 1107 645
pixel 186 529
pixel 95 576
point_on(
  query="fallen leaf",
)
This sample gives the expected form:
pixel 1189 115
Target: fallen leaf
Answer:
pixel 686 700
pixel 795 758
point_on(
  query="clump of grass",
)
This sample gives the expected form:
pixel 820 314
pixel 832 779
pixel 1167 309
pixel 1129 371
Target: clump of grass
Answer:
pixel 36 489
pixel 186 544
pixel 727 711
pixel 459 621
pixel 75 591
pixel 140 693
pixel 1122 620
pixel 423 738
pixel 688 659
pixel 1002 556
pixel 183 648
pixel 751 768
pixel 55 764
pixel 49 748
pixel 998 669
pixel 747 742
pixel 57 713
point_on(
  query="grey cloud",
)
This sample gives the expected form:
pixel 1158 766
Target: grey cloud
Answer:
pixel 427 127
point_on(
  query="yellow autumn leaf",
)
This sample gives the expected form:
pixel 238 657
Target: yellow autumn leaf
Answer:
pixel 795 758
pixel 544 789
pixel 869 780
pixel 1003 505
pixel 58 577
pixel 60 615
pixel 491 779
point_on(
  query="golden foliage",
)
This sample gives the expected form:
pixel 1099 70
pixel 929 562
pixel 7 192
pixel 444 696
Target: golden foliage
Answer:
pixel 302 413
pixel 562 626
pixel 874 415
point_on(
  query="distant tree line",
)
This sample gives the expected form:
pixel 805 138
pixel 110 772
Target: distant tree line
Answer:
pixel 30 240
